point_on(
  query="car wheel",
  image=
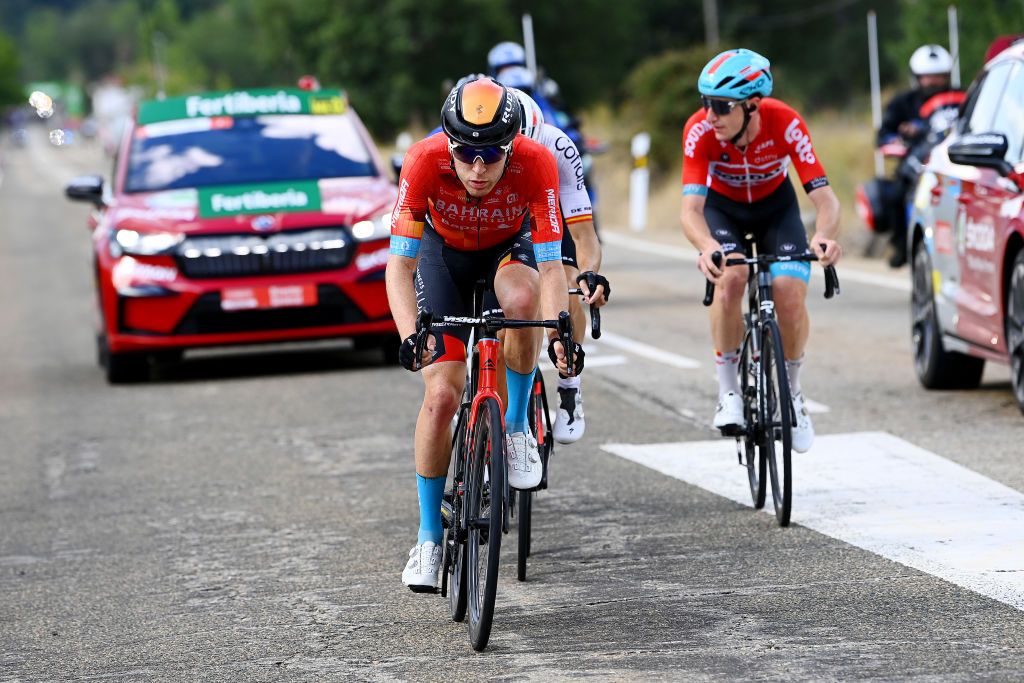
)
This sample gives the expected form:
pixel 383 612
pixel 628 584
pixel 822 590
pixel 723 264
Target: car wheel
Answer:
pixel 121 368
pixel 1015 328
pixel 936 368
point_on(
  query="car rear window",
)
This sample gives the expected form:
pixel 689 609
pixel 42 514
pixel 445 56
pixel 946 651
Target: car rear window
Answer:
pixel 226 150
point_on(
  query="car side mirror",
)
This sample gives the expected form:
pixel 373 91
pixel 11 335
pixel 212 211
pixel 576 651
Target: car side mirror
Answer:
pixel 986 150
pixel 87 188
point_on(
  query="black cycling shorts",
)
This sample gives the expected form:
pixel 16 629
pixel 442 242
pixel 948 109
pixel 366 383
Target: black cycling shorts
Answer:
pixel 773 221
pixel 445 279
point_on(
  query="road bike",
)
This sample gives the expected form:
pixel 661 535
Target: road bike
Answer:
pixel 764 385
pixel 540 425
pixel 475 510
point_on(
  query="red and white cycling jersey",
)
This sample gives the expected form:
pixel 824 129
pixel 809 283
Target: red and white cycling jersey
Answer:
pixel 429 184
pixel 753 173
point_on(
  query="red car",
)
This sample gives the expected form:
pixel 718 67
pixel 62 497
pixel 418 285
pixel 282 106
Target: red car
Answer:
pixel 966 237
pixel 235 218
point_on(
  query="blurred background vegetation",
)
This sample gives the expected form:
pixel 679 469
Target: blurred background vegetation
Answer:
pixel 631 65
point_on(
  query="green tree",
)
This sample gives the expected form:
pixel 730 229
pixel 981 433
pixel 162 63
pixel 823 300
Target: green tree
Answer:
pixel 10 85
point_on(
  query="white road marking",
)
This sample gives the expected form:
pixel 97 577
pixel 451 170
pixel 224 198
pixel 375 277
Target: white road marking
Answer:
pixel 648 351
pixel 813 407
pixel 880 493
pixel 591 362
pixel 901 284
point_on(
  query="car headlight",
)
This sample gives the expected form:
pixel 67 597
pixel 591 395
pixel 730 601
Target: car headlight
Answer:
pixel 143 243
pixel 377 229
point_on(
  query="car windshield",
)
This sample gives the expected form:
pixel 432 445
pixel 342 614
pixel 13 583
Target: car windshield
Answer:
pixel 204 152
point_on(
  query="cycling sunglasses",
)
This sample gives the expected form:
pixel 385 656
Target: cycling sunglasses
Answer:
pixel 489 154
pixel 720 107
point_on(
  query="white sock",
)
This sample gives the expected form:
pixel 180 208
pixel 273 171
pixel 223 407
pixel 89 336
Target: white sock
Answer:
pixel 793 371
pixel 727 366
pixel 569 382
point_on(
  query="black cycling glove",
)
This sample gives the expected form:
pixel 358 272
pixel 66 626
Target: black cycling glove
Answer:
pixel 577 356
pixel 407 353
pixel 593 280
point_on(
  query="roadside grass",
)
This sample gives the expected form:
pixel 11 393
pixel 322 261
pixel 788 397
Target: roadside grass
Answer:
pixel 842 139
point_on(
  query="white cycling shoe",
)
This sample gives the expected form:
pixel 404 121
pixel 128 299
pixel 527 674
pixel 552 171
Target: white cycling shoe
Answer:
pixel 569 423
pixel 803 429
pixel 420 573
pixel 524 467
pixel 729 412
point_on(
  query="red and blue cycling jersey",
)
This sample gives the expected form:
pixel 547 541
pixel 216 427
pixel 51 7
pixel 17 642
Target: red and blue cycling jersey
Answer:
pixel 756 171
pixel 429 186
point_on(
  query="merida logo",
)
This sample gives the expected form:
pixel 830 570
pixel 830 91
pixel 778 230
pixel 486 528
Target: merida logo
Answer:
pixel 259 200
pixel 243 104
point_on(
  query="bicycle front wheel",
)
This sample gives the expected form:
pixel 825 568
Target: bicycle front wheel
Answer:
pixel 751 458
pixel 485 503
pixel 776 413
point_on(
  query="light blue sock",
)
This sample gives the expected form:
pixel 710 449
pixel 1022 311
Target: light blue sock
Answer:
pixel 519 388
pixel 431 491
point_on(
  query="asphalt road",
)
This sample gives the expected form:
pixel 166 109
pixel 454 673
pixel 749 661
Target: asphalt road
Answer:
pixel 246 516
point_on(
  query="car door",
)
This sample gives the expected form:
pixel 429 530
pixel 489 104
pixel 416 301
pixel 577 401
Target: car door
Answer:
pixel 981 193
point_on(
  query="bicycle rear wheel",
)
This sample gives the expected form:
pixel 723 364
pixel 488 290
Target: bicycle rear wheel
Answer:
pixel 776 410
pixel 540 427
pixel 455 534
pixel 753 460
pixel 485 503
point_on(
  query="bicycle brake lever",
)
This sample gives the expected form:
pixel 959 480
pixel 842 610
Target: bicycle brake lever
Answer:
pixel 595 312
pixel 709 287
pixel 565 336
pixel 831 282
pixel 423 322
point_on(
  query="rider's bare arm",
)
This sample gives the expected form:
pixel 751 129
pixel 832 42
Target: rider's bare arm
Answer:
pixel 696 229
pixel 826 226
pixel 398 276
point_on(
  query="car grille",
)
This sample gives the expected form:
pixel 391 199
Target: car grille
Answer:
pixel 298 251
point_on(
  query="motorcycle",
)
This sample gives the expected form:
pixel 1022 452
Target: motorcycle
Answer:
pixel 885 203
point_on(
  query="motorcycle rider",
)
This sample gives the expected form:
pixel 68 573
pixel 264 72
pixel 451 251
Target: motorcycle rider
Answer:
pixel 906 120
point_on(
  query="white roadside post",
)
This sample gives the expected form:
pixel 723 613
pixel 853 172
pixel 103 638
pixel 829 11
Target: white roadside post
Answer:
pixel 876 88
pixel 639 181
pixel 954 45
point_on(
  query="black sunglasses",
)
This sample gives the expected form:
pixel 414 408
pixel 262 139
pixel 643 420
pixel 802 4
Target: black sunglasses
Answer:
pixel 720 107
pixel 468 155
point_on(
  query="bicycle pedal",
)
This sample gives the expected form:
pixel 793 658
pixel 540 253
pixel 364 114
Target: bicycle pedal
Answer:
pixel 423 589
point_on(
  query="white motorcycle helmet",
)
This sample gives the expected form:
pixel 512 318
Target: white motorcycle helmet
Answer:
pixel 931 60
pixel 517 77
pixel 531 118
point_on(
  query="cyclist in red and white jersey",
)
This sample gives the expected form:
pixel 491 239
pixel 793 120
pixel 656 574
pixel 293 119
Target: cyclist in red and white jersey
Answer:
pixel 737 151
pixel 581 253
pixel 475 201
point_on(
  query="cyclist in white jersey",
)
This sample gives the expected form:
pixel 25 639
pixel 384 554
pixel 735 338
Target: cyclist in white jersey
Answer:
pixel 581 252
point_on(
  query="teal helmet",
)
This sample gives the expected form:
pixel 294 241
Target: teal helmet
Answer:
pixel 736 74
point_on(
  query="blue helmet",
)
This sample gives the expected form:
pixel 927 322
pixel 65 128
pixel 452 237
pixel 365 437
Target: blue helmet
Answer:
pixel 736 74
pixel 517 77
pixel 505 54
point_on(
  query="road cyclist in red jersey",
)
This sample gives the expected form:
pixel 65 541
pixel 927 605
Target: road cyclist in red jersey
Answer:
pixel 737 150
pixel 476 201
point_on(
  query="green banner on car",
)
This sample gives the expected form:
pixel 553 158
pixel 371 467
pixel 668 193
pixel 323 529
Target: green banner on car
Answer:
pixel 216 202
pixel 258 102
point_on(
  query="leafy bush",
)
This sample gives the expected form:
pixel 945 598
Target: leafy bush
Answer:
pixel 661 94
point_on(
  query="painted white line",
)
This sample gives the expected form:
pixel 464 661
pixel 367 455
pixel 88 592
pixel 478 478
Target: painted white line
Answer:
pixel 814 407
pixel 901 284
pixel 591 362
pixel 880 493
pixel 648 351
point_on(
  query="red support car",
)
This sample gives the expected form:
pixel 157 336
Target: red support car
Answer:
pixel 966 237
pixel 236 218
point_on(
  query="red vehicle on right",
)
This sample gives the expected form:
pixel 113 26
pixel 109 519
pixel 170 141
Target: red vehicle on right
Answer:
pixel 966 237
